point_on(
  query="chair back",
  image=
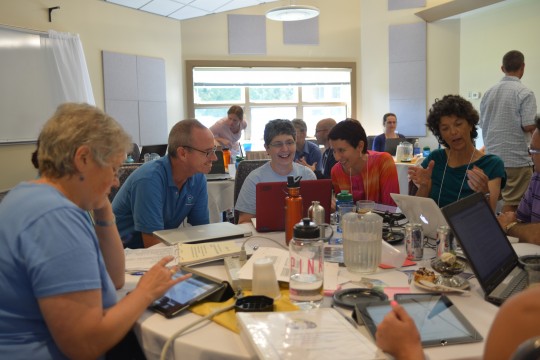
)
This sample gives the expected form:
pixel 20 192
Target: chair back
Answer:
pixel 135 152
pixel 370 139
pixel 528 350
pixel 123 173
pixel 243 170
pixel 3 194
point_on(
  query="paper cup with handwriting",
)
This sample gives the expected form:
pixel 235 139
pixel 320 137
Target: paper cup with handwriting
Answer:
pixel 264 279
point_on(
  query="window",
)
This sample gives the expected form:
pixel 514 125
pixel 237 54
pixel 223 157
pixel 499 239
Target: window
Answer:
pixel 275 90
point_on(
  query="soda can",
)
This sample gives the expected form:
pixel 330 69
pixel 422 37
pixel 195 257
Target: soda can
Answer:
pixel 408 240
pixel 415 237
pixel 443 232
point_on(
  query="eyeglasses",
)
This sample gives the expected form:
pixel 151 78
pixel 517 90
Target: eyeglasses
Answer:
pixel 279 144
pixel 319 130
pixel 533 151
pixel 207 153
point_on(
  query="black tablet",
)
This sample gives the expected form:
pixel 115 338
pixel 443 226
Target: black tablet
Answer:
pixel 186 293
pixel 438 320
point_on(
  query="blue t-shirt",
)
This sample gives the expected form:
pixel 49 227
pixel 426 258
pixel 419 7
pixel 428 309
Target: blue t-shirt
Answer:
pixel 149 200
pixel 311 154
pixel 492 166
pixel 247 196
pixel 48 248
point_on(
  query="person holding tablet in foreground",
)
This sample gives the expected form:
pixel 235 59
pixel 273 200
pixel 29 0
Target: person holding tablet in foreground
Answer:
pixel 56 267
pixel 515 323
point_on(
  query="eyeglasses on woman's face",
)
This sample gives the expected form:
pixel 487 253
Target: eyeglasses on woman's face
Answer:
pixel 280 144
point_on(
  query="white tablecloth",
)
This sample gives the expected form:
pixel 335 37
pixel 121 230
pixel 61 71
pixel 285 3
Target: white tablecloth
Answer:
pixel 211 341
pixel 220 198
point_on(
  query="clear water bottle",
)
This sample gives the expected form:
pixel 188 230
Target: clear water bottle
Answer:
pixel 416 148
pixel 306 251
pixel 362 242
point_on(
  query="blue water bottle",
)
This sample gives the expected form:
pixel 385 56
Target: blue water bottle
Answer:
pixel 344 203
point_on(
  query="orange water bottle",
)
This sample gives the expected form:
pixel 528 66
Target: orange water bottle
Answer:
pixel 226 158
pixel 293 206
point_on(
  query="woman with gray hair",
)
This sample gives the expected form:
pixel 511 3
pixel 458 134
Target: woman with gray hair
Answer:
pixel 59 298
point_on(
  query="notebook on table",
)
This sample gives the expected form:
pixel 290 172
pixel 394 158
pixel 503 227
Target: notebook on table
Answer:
pixel 270 202
pixel 202 233
pixel 421 210
pixel 488 250
pixel 218 169
pixel 160 149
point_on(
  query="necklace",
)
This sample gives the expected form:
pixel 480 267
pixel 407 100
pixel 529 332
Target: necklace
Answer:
pixel 444 174
pixel 367 177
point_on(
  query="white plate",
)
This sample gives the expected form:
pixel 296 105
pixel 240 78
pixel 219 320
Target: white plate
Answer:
pixel 466 285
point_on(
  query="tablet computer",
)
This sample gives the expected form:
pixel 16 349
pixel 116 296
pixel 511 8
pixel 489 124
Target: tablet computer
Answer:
pixel 188 292
pixel 438 320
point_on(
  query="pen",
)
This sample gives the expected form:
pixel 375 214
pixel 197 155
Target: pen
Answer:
pixel 137 273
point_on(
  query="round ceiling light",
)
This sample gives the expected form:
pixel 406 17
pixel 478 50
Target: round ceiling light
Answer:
pixel 292 13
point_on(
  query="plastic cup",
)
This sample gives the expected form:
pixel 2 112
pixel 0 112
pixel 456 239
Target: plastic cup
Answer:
pixel 531 264
pixel 365 206
pixel 232 170
pixel 264 279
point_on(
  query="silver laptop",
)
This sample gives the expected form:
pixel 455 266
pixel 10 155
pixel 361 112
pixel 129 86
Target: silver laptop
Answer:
pixel 422 210
pixel 202 233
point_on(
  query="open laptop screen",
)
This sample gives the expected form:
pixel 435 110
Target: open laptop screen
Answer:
pixel 484 243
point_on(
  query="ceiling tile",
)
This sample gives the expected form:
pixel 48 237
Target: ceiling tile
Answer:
pixel 187 12
pixel 209 5
pixel 130 3
pixel 162 7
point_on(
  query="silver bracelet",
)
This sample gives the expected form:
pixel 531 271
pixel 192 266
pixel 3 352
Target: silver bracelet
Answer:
pixel 105 223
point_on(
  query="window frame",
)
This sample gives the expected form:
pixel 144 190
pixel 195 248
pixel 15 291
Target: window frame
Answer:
pixel 190 64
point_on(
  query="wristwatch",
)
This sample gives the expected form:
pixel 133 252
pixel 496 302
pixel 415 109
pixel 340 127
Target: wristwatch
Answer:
pixel 509 226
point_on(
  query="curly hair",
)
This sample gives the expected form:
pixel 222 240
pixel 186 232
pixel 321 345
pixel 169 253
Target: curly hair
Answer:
pixel 277 127
pixel 451 105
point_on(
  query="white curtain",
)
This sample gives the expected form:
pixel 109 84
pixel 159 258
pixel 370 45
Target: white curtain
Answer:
pixel 66 58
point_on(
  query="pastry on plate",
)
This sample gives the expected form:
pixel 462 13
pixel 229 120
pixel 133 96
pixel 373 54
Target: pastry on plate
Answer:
pixel 424 274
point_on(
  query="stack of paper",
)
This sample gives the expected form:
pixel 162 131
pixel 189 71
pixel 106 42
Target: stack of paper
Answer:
pixel 184 254
pixel 313 334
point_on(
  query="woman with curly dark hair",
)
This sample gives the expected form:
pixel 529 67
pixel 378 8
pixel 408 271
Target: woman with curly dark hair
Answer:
pixel 458 169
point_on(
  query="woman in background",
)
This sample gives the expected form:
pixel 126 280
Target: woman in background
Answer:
pixel 390 125
pixel 228 130
pixel 58 270
pixel 459 169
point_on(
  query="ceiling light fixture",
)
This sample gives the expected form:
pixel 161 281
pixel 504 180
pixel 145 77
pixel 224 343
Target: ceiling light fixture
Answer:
pixel 292 13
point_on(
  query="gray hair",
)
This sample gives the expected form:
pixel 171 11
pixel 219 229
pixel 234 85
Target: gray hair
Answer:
pixel 72 126
pixel 299 124
pixel 180 134
pixel 277 127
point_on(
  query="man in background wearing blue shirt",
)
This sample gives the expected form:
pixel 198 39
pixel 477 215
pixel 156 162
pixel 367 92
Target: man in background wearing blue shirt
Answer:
pixel 507 113
pixel 306 151
pixel 162 193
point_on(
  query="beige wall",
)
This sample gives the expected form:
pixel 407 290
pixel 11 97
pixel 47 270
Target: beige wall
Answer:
pixel 463 54
pixel 101 26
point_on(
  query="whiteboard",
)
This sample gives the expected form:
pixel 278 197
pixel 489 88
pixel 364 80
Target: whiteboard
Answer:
pixel 27 89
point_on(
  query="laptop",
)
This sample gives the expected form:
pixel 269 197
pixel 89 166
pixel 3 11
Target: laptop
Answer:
pixel 488 250
pixel 270 202
pixel 202 233
pixel 218 169
pixel 390 145
pixel 160 149
pixel 421 210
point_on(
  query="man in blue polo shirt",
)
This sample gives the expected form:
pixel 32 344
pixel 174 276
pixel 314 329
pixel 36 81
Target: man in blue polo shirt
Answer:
pixel 307 153
pixel 162 193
